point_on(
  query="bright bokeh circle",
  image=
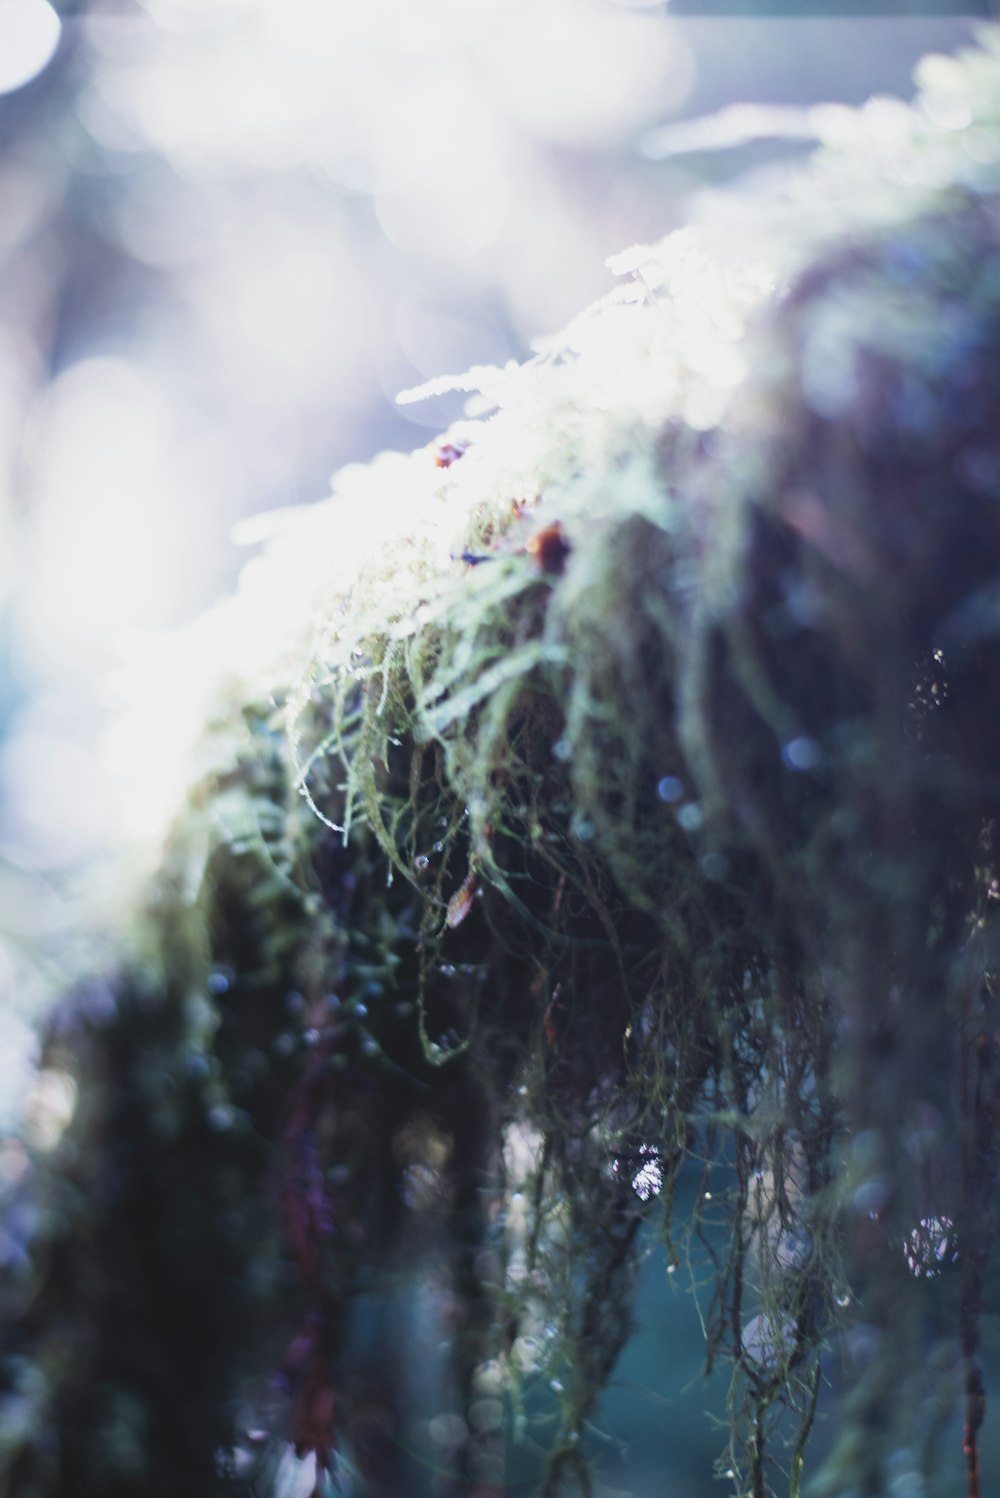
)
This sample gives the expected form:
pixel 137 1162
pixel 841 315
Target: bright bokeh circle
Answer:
pixel 29 36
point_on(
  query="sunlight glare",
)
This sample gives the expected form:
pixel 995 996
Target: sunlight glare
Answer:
pixel 29 36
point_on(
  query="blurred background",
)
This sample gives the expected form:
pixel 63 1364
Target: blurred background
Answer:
pixel 230 232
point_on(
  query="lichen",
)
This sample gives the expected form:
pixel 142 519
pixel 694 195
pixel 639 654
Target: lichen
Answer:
pixel 605 790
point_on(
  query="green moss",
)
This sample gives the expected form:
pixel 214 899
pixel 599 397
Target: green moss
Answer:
pixel 633 804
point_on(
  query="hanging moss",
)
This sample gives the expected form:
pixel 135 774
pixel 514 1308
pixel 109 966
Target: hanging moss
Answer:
pixel 609 788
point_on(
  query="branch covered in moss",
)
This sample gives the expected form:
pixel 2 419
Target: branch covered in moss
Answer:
pixel 608 789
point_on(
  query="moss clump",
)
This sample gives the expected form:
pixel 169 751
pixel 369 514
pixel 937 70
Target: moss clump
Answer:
pixel 634 804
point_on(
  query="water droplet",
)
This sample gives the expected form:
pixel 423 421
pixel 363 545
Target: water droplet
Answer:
pixel 794 1249
pixel 421 862
pixel 310 1037
pixel 866 1148
pixel 562 749
pixel 871 1197
pixel 801 754
pixel 360 1010
pixel 220 980
pixel 448 1430
pixel 691 817
pixel 220 1119
pixel 931 1246
pixel 670 789
pixel 486 1415
pixel 447 970
pixel 715 865
pixel 768 1340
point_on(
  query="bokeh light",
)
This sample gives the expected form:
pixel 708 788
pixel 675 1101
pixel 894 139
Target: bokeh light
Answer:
pixel 29 36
